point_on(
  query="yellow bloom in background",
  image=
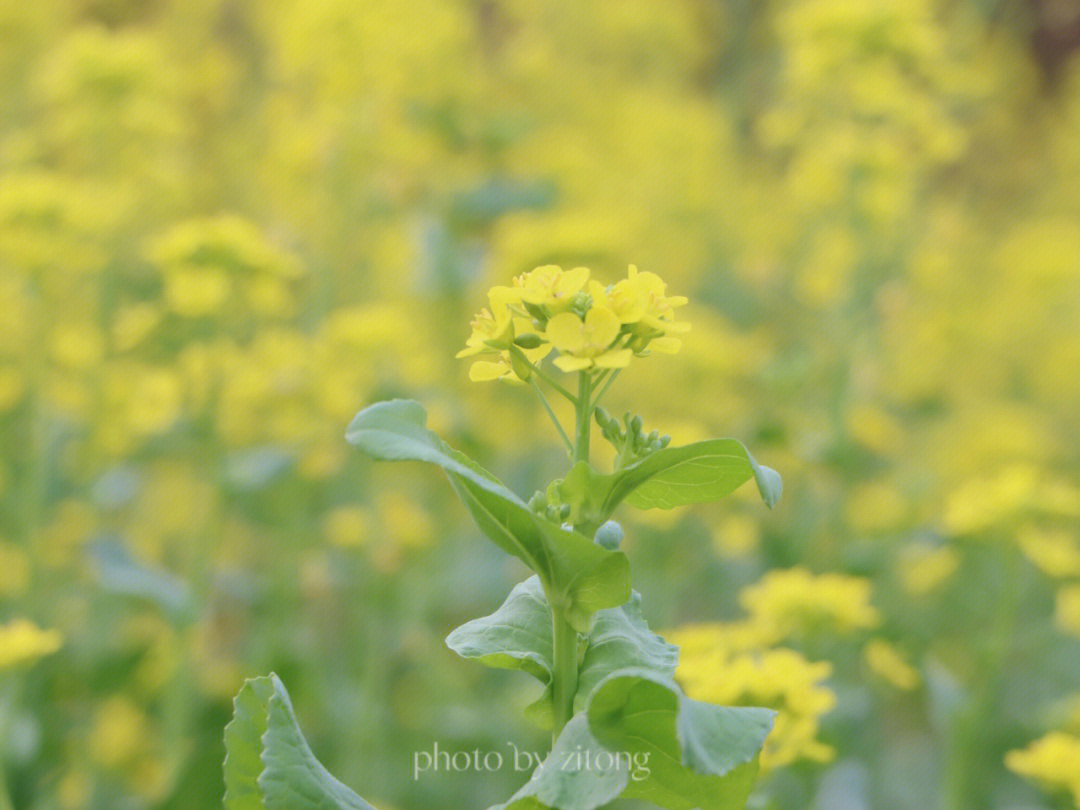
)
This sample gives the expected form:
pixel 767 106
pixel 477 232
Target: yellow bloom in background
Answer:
pixel 794 601
pixel 587 343
pixel 1055 551
pixel 923 568
pixel 120 731
pixel 14 570
pixel 885 660
pixel 723 664
pixel 1067 609
pixel 23 642
pixel 348 526
pixel 1053 760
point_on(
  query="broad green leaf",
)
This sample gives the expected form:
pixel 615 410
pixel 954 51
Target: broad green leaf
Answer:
pixel 268 764
pixel 569 778
pixel 700 756
pixel 519 636
pixel 697 473
pixel 583 576
pixel 516 636
pixel 621 639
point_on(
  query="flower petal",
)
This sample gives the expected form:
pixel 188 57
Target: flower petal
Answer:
pixel 484 370
pixel 615 358
pixel 568 362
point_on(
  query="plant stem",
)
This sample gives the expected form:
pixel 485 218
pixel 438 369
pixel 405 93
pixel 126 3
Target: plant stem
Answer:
pixel 584 416
pixel 554 419
pixel 607 384
pixel 543 375
pixel 565 675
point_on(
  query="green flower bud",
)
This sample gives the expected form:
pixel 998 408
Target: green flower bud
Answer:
pixel 529 340
pixel 603 418
pixel 665 440
pixel 609 535
pixel 581 303
pixel 564 511
pixel 520 366
pixel 536 311
pixel 538 501
pixel 635 425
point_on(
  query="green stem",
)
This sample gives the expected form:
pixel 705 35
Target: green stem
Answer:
pixel 584 416
pixel 543 375
pixel 565 670
pixel 564 676
pixel 607 384
pixel 554 419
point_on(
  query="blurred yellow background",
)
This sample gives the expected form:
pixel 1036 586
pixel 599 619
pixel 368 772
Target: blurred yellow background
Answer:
pixel 226 226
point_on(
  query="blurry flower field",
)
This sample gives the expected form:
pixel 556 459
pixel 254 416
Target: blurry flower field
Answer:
pixel 226 226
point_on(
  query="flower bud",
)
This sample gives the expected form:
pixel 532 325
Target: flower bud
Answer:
pixel 538 501
pixel 604 420
pixel 635 425
pixel 520 366
pixel 529 340
pixel 665 440
pixel 581 303
pixel 564 511
pixel 609 535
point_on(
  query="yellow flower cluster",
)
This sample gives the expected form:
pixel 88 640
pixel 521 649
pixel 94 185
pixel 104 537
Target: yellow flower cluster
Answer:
pixel 591 326
pixel 722 663
pixel 1053 760
pixel 740 662
pixel 22 642
pixel 794 602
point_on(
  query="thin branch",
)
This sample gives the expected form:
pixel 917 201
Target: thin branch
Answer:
pixel 607 384
pixel 543 375
pixel 554 419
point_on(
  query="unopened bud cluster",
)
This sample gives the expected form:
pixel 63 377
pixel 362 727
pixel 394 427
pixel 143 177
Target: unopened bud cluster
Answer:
pixel 629 438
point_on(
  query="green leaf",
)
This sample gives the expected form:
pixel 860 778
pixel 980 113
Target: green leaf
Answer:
pixel 516 636
pixel 641 738
pixel 582 576
pixel 697 473
pixel 519 636
pixel 621 639
pixel 268 764
pixel 699 756
pixel 563 781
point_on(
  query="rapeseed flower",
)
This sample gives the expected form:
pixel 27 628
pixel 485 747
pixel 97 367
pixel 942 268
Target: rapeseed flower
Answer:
pixel 22 641
pixel 593 327
pixel 1053 760
pixel 588 342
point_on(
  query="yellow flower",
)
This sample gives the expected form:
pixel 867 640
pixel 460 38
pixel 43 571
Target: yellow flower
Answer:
pixel 1053 760
pixel 551 287
pixel 794 602
pixel 493 332
pixel 1067 610
pixel 885 660
pixel 728 664
pixel 22 641
pixel 587 343
pixel 492 329
pixel 659 314
pixel 502 367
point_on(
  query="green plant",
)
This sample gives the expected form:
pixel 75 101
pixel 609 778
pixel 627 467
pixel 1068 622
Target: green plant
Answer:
pixel 621 726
